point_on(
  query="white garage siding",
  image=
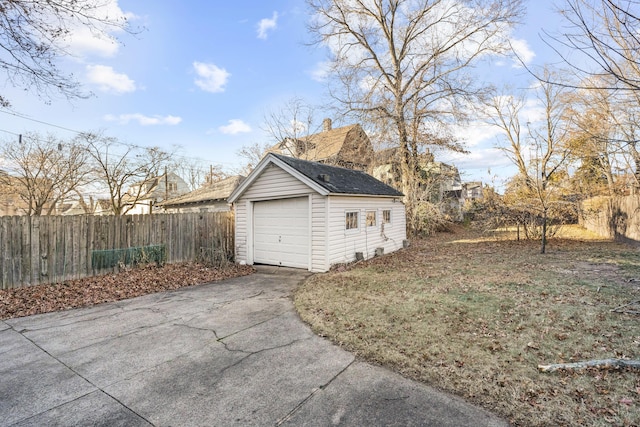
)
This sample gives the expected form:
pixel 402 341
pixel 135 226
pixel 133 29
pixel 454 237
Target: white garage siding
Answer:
pixel 241 226
pixel 343 244
pixel 319 224
pixel 273 183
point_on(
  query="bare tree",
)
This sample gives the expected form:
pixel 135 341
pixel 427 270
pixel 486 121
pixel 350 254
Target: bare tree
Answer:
pixel 551 150
pixel 288 125
pixel 252 154
pixel 44 171
pixel 625 115
pixel 125 171
pixel 291 124
pixel 34 35
pixel 602 40
pixel 535 189
pixel 593 137
pixel 195 173
pixel 400 64
pixel 505 112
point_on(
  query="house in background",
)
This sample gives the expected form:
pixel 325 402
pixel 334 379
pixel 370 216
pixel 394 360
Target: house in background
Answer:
pixel 347 146
pixel 72 207
pixel 440 183
pixel 10 201
pixel 153 191
pixel 296 213
pixel 472 191
pixel 209 198
pixel 447 189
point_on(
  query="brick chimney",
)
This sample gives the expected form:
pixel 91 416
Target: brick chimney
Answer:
pixel 326 125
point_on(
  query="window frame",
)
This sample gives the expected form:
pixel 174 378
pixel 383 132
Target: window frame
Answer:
pixel 355 224
pixel 385 220
pixel 375 218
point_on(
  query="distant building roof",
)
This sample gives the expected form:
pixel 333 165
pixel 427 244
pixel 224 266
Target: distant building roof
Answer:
pixel 326 144
pixel 319 146
pixel 347 146
pixel 218 191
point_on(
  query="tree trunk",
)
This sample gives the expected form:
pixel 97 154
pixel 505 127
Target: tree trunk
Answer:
pixel 604 363
pixel 543 247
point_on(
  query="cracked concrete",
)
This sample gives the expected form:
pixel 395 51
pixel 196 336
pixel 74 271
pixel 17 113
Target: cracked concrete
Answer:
pixel 228 353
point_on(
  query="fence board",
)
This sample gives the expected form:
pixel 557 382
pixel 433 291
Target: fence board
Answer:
pixel 52 249
pixel 613 217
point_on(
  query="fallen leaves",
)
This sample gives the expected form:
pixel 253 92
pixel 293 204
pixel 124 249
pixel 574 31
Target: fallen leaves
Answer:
pixel 475 317
pixel 129 283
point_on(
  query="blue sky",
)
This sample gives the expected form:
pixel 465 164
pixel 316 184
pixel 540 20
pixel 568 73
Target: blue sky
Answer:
pixel 202 75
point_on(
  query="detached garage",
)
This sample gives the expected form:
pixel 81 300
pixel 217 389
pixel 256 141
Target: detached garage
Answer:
pixel 296 213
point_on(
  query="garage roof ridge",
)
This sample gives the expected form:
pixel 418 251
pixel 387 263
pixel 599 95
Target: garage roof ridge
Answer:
pixel 341 180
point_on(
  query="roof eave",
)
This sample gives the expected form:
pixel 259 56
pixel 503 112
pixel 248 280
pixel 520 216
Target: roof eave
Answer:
pixel 386 196
pixel 194 202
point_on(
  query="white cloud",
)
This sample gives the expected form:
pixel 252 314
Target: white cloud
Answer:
pixel 533 111
pixel 523 51
pixel 321 71
pixel 265 25
pixel 212 78
pixel 108 80
pixel 234 127
pixel 476 133
pixel 143 120
pixel 82 40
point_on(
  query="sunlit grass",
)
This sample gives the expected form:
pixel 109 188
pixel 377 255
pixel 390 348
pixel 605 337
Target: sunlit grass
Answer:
pixel 476 314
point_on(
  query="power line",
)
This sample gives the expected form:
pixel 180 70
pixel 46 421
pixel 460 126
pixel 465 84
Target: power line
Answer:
pixel 22 116
pixel 77 132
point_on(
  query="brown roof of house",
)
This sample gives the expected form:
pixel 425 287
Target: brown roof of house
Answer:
pixel 329 143
pixel 217 191
pixel 322 145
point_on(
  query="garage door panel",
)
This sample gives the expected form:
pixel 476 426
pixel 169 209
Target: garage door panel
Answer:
pixel 281 232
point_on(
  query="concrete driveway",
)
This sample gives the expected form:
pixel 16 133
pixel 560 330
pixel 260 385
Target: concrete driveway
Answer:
pixel 223 354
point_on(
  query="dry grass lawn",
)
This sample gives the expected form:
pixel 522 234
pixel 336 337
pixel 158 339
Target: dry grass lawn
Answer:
pixel 476 314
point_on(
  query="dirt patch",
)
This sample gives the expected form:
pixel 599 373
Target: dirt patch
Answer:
pixel 475 315
pixel 111 287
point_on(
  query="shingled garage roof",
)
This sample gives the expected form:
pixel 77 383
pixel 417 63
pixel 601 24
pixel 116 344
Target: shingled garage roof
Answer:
pixel 218 191
pixel 339 180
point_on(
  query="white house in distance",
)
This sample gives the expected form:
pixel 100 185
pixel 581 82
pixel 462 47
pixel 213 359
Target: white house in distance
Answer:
pixel 297 213
pixel 144 196
pixel 209 198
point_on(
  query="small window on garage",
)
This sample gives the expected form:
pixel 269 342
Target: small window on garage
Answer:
pixel 386 216
pixel 351 220
pixel 371 219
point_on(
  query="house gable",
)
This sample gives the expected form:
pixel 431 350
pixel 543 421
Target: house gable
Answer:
pixel 346 146
pixel 356 151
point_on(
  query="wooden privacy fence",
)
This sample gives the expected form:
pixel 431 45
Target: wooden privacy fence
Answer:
pixel 614 217
pixel 51 249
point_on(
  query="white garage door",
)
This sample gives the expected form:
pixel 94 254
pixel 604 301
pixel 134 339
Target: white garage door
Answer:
pixel 281 232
